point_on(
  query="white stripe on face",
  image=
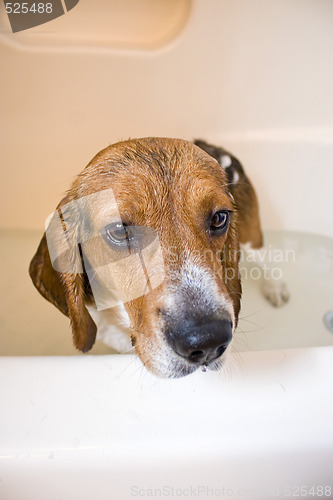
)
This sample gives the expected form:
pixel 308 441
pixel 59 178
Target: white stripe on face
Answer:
pixel 201 289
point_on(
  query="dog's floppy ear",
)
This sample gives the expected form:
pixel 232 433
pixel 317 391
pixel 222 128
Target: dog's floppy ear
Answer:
pixel 230 259
pixel 66 290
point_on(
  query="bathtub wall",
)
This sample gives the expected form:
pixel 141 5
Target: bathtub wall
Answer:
pixel 254 76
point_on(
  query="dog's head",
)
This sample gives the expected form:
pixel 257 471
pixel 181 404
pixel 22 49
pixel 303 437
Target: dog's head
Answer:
pixel 149 223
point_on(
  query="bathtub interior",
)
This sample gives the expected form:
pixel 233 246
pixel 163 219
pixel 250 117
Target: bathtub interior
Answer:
pixel 123 25
pixel 79 89
pixel 307 269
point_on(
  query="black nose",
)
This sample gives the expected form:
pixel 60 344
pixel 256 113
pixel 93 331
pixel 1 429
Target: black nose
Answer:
pixel 202 342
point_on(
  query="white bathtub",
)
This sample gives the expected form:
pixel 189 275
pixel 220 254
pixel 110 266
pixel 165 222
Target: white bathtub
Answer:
pixel 101 426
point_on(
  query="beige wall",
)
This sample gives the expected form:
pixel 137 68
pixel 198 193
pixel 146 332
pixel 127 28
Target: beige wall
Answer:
pixel 237 71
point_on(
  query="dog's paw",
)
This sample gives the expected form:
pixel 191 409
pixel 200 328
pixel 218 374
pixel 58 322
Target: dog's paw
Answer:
pixel 276 292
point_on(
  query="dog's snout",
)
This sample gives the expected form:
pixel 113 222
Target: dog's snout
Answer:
pixel 200 342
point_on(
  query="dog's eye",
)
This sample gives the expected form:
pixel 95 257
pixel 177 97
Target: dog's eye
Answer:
pixel 219 221
pixel 117 234
pixel 133 238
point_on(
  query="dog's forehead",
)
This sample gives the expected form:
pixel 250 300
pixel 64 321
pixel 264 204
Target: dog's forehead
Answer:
pixel 152 162
pixel 149 176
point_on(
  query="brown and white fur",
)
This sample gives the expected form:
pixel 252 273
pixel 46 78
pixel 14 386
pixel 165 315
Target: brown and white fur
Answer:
pixel 182 192
pixel 249 231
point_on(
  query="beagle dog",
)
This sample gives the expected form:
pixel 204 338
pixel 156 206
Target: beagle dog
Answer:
pixel 143 251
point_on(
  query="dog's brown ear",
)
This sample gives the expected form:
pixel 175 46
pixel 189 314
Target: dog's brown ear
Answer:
pixel 66 291
pixel 231 267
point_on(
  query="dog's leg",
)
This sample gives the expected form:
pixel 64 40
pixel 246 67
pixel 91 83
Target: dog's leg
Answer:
pixel 273 287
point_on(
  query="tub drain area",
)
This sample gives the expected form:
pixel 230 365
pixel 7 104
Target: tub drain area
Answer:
pixel 328 320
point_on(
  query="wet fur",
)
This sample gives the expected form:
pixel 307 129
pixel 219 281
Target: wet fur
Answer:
pixel 170 185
